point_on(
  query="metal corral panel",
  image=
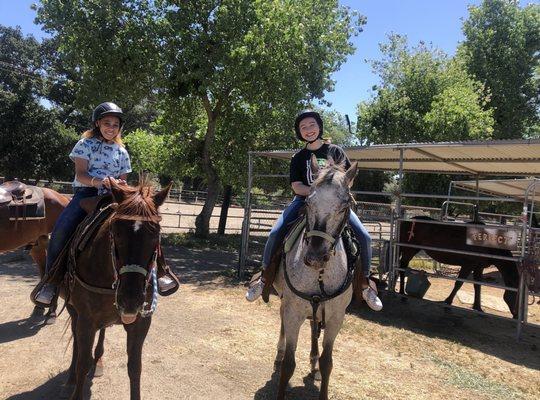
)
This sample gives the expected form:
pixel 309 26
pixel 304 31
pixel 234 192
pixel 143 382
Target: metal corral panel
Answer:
pixel 496 157
pixel 514 188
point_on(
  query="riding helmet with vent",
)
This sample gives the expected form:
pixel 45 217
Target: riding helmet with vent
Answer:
pixel 105 109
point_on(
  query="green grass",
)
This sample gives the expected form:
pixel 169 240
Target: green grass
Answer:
pixel 214 241
pixel 463 378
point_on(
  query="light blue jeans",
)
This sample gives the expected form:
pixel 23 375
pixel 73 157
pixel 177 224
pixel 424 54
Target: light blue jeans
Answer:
pixel 289 215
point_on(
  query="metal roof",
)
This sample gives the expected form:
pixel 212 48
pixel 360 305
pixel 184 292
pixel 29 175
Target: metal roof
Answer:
pixel 514 188
pixel 495 157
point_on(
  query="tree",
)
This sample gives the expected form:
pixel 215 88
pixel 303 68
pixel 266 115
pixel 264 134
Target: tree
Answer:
pixel 423 96
pixel 30 135
pixel 502 50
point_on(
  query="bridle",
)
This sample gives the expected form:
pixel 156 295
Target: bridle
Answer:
pixel 149 271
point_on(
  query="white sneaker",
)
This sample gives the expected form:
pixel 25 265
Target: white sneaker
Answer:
pixel 165 283
pixel 46 294
pixel 371 298
pixel 255 290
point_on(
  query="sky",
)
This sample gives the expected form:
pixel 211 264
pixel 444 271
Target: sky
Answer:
pixel 432 21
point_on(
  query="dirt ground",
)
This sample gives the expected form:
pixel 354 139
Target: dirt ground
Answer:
pixel 206 342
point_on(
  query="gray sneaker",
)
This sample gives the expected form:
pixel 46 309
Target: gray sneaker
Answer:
pixel 255 290
pixel 46 294
pixel 371 298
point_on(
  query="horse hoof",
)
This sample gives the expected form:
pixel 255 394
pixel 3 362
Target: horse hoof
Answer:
pixel 51 320
pixel 98 371
pixel 316 375
pixel 66 391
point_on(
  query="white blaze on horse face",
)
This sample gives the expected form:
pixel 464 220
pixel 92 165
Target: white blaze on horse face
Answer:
pixel 137 226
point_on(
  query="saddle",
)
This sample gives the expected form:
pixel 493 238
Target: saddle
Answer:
pixel 352 249
pixel 19 201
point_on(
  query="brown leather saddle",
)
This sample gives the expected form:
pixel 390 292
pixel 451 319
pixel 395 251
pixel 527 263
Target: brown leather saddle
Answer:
pixel 20 201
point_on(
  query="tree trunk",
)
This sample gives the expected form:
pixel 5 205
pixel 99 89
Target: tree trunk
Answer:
pixel 202 222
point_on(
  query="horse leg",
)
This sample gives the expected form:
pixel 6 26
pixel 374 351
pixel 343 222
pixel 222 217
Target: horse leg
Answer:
pixel 85 335
pixel 136 333
pixel 463 274
pixel 38 252
pixel 292 322
pixel 314 353
pixel 477 274
pixel 98 354
pixel 281 342
pixel 407 255
pixel 70 383
pixel 333 325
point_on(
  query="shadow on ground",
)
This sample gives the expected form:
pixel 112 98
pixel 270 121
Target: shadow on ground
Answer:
pixel 51 390
pixel 269 391
pixel 487 334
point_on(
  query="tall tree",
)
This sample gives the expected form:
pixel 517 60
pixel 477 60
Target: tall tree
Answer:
pixel 423 96
pixel 30 135
pixel 502 50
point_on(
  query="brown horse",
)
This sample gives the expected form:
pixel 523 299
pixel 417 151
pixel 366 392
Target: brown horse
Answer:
pixel 454 237
pixel 34 233
pixel 121 256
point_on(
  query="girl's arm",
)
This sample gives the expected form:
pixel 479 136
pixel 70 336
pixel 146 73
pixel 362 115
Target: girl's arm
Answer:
pixel 300 189
pixel 81 174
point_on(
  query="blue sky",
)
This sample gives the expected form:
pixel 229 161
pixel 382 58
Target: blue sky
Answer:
pixel 435 21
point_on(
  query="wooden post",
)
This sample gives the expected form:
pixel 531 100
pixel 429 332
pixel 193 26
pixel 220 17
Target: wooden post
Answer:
pixel 224 210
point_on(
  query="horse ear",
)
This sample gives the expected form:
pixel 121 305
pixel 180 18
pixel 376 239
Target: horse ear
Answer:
pixel 118 194
pixel 330 161
pixel 160 197
pixel 351 174
pixel 314 165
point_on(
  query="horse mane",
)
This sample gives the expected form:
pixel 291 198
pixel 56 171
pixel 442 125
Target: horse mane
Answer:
pixel 138 200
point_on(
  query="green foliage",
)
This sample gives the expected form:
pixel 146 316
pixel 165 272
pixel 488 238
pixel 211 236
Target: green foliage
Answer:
pixel 148 152
pixel 31 138
pixel 423 96
pixel 502 50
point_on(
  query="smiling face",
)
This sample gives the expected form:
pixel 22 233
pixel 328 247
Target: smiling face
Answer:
pixel 309 129
pixel 109 126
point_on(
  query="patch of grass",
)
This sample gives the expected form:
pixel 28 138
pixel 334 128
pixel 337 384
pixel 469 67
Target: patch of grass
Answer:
pixel 464 378
pixel 192 241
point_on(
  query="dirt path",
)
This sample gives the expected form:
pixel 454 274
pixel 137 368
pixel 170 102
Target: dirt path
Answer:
pixel 208 343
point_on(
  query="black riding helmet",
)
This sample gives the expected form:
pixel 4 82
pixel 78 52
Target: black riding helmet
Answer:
pixel 307 114
pixel 105 109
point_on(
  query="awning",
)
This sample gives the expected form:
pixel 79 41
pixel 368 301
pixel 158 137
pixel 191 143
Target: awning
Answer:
pixel 496 157
pixel 514 188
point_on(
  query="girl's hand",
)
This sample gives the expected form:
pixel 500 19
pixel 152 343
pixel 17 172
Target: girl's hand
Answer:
pixel 121 182
pixel 108 180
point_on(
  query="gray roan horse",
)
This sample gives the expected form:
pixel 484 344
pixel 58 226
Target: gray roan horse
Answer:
pixel 315 279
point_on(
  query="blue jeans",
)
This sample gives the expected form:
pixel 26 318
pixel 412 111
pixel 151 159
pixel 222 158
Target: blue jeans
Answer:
pixel 278 232
pixel 67 223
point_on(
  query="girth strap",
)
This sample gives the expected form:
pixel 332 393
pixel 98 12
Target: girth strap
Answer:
pixel 94 289
pixel 133 268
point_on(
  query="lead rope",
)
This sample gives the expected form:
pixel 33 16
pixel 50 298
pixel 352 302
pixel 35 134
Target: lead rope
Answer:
pixel 146 312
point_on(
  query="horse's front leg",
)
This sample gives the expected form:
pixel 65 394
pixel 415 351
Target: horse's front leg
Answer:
pixel 463 274
pixel 98 354
pixel 332 327
pixel 477 274
pixel 136 333
pixel 85 335
pixel 292 320
pixel 281 342
pixel 314 353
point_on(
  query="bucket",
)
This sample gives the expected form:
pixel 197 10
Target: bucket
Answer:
pixel 417 283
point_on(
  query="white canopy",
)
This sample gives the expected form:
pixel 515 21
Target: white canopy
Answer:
pixel 496 157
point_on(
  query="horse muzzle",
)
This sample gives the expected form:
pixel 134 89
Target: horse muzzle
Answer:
pixel 316 260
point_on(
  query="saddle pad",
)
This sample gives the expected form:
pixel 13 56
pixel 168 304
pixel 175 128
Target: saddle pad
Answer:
pixel 32 207
pixel 294 234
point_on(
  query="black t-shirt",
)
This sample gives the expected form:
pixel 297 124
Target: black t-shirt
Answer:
pixel 301 162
